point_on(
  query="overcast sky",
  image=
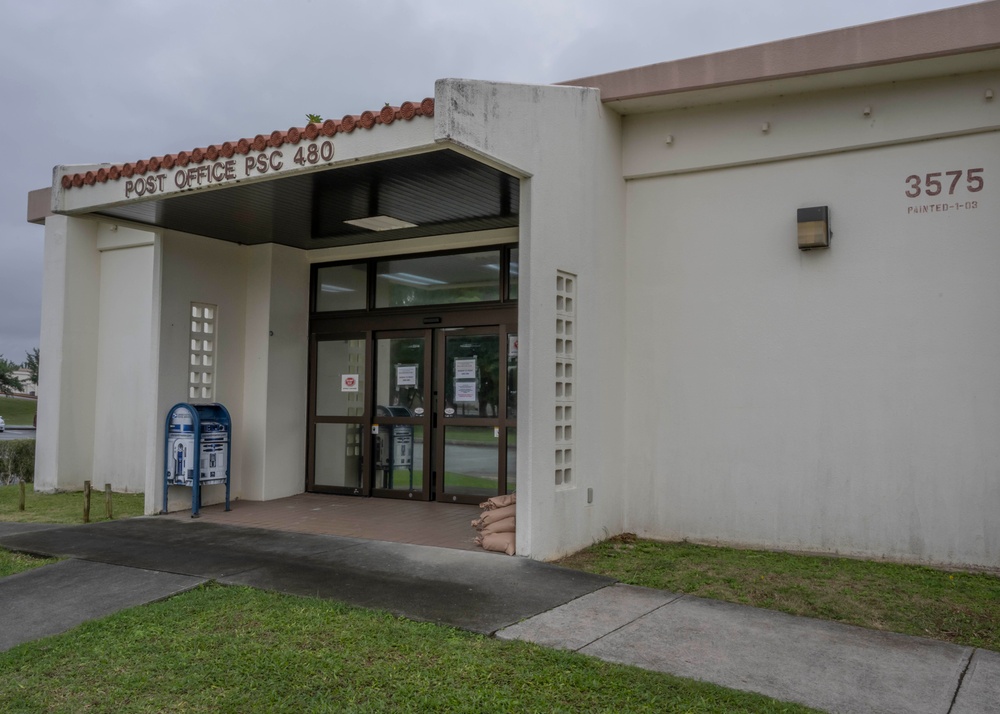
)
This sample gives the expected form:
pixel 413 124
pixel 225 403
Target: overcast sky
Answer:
pixel 94 81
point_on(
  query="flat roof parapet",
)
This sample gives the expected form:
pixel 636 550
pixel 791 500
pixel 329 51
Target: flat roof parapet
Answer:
pixel 943 33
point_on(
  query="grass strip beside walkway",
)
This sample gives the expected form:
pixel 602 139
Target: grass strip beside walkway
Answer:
pixel 11 563
pixel 958 607
pixel 65 508
pixel 220 649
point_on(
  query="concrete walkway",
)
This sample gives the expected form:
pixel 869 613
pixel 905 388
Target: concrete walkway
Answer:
pixel 832 667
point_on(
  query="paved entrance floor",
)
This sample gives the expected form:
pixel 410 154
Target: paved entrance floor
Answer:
pixel 444 525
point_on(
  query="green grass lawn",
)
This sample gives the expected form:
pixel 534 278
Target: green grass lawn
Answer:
pixel 454 481
pixel 221 649
pixel 18 412
pixel 477 435
pixel 235 649
pixel 11 563
pixel 958 607
pixel 65 507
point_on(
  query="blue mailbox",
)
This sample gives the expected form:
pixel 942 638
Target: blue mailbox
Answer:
pixel 196 450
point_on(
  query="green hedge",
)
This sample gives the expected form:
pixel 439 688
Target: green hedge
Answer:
pixel 17 461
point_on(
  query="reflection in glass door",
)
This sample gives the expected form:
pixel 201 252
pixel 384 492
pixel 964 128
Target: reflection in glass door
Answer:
pixel 337 415
pixel 402 414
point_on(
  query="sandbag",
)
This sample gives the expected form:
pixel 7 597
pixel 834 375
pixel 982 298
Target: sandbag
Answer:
pixel 497 542
pixel 505 525
pixel 493 516
pixel 498 514
pixel 499 501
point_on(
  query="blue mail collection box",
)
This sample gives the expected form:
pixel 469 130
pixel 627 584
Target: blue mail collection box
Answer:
pixel 197 450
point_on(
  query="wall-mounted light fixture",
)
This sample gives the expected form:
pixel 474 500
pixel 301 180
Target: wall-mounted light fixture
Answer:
pixel 814 227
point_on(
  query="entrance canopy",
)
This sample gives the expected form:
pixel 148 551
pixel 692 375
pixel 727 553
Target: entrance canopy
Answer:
pixel 437 192
pixel 345 185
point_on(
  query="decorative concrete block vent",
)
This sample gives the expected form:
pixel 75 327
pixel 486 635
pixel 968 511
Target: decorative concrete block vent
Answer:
pixel 497 524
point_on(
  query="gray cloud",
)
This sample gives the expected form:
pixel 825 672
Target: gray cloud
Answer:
pixel 127 79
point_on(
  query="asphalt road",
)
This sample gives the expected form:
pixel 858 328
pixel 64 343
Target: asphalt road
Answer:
pixel 11 434
pixel 471 459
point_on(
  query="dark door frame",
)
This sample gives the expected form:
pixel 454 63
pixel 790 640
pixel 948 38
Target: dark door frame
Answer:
pixel 433 321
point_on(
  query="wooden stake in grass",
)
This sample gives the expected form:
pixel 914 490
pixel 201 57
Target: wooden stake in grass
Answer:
pixel 20 500
pixel 107 501
pixel 86 501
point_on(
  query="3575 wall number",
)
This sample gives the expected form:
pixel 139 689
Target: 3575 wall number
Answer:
pixel 935 183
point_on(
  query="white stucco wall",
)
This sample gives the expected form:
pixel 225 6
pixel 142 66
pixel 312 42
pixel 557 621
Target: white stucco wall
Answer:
pixel 116 320
pixel 841 400
pixel 277 376
pixel 97 326
pixel 126 391
pixel 566 145
pixel 197 269
pixel 261 378
pixel 64 449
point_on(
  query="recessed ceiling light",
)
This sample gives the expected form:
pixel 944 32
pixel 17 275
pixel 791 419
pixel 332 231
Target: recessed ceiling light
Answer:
pixel 380 223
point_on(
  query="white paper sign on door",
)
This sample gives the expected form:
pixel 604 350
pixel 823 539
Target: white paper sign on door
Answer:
pixel 465 368
pixel 465 392
pixel 406 375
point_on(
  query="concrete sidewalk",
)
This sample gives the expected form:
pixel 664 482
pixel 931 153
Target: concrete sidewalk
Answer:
pixel 826 665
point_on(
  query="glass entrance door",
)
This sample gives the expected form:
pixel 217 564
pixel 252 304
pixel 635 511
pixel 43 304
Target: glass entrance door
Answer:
pixel 421 414
pixel 444 414
pixel 402 415
pixel 475 400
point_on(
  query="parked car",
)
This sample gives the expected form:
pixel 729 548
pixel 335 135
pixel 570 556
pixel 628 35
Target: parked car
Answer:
pixel 3 427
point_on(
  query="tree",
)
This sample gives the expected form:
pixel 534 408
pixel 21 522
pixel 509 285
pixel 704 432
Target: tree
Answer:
pixel 31 364
pixel 8 382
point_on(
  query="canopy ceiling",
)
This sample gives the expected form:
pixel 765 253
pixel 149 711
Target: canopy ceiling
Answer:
pixel 440 192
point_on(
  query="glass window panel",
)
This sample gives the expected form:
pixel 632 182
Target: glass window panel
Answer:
pixel 512 278
pixel 438 280
pixel 340 377
pixel 342 287
pixel 400 378
pixel 338 455
pixel 511 460
pixel 399 457
pixel 470 460
pixel 472 376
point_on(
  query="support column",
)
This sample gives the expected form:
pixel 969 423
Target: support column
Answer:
pixel 276 369
pixel 70 307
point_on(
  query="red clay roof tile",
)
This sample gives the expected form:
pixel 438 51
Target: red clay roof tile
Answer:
pixel 366 120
